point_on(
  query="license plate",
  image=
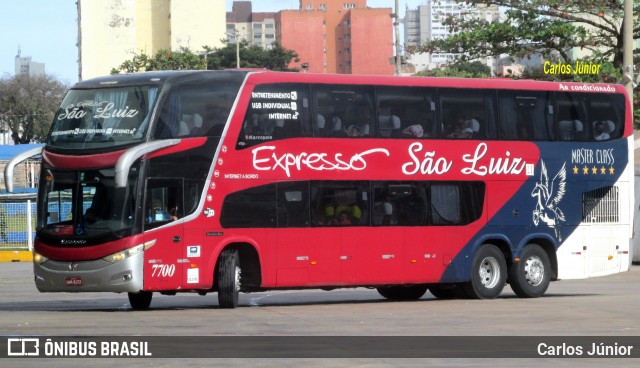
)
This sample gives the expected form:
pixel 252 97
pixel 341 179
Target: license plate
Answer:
pixel 73 281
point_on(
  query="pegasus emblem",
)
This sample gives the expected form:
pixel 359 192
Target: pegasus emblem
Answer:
pixel 549 195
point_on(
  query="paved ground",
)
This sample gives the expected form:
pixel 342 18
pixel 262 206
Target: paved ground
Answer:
pixel 605 306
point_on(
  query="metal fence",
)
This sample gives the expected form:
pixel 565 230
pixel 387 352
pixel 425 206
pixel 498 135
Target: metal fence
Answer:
pixel 17 222
pixel 18 211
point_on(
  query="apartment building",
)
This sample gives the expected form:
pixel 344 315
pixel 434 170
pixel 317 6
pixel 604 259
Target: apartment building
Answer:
pixel 112 31
pixel 427 23
pixel 338 36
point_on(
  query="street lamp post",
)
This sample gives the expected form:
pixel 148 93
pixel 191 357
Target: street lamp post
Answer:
pixel 236 36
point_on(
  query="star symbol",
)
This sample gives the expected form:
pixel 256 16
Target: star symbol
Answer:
pixel 585 170
pixel 594 170
pixel 575 170
pixel 603 170
pixel 611 170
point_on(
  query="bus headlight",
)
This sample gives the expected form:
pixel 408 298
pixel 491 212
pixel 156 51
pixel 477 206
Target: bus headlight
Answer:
pixel 39 258
pixel 116 257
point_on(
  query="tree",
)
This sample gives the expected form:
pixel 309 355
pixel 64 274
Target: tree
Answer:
pixel 550 28
pixel 183 59
pixel 460 70
pixel 28 104
pixel 546 27
pixel 276 58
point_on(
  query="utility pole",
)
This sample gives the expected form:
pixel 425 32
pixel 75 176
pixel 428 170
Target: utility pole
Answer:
pixel 237 33
pixel 396 26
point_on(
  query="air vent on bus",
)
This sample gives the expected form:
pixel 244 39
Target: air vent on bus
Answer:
pixel 601 205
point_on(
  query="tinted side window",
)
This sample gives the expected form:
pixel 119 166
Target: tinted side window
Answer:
pixel 293 204
pixel 340 203
pixel 163 201
pixel 455 203
pixel 275 111
pixel 524 115
pixel 405 112
pixel 253 207
pixel 399 204
pixel 606 116
pixel 426 203
pixel 343 111
pixel 468 114
pixel 196 110
pixel 572 117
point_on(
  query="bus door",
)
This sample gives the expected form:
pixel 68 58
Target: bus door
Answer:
pixel 308 247
pixel 164 260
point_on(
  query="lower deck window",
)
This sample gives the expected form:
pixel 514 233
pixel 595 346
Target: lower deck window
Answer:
pixel 355 203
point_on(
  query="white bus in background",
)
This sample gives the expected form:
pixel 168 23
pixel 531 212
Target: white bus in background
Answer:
pixel 635 248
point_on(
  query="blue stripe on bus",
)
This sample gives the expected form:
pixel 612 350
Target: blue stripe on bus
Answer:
pixel 555 155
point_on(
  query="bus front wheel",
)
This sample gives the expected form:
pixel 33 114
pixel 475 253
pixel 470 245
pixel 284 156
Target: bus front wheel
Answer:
pixel 229 279
pixel 412 292
pixel 141 300
pixel 530 277
pixel 488 273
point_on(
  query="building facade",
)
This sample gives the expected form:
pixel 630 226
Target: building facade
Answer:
pixel 258 29
pixel 25 66
pixel 338 36
pixel 113 31
pixel 427 23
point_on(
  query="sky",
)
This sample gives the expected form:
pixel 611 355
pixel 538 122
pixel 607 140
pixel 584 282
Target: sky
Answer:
pixel 46 30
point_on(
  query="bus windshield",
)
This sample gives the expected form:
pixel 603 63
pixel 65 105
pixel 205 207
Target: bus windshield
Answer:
pixel 86 205
pixel 100 118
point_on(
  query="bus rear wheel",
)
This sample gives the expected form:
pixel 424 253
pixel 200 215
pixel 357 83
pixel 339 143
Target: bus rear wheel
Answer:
pixel 530 277
pixel 229 279
pixel 412 292
pixel 488 273
pixel 141 300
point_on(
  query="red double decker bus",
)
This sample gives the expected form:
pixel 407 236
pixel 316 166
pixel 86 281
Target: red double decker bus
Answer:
pixel 240 181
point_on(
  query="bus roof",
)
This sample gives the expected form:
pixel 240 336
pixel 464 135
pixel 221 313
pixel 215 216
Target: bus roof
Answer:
pixel 160 77
pixel 412 81
pixel 266 76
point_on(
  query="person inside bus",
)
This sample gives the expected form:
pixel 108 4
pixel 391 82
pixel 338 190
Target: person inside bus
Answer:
pixel 413 131
pixel 332 214
pixel 462 128
pixel 158 213
pixel 336 127
pixel 601 130
pixel 190 125
pixel 388 121
pixel 354 131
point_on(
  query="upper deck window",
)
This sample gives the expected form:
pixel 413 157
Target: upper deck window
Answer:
pixel 525 115
pixel 99 118
pixel 344 111
pixel 276 111
pixel 196 110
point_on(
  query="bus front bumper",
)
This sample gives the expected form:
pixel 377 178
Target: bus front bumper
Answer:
pixel 90 276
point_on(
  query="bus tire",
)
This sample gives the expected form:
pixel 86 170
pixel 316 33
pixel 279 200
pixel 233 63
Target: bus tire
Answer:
pixel 141 300
pixel 229 279
pixel 411 292
pixel 488 273
pixel 530 277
